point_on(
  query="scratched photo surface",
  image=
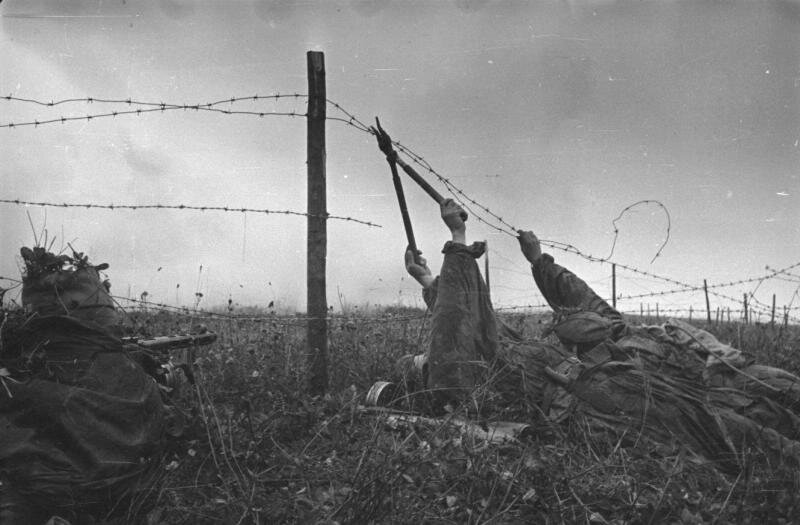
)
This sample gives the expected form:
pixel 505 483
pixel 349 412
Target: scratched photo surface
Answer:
pixel 660 135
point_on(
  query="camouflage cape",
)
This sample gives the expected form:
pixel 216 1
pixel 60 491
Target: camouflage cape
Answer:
pixel 80 420
pixel 671 386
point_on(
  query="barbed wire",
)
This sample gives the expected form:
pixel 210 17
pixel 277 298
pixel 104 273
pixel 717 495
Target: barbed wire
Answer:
pixel 699 311
pixel 627 209
pixel 459 195
pixel 696 288
pixel 130 101
pixel 522 307
pixel 272 318
pixel 180 207
pixel 795 280
pixel 786 272
pixel 151 107
pixel 485 215
pixel 503 226
pixel 509 229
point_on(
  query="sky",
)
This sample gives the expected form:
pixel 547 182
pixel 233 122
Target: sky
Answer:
pixel 558 115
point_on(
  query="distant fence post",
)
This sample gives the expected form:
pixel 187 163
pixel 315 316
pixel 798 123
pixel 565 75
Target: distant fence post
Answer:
pixel 772 318
pixel 690 312
pixel 316 247
pixel 785 316
pixel 658 316
pixel 708 304
pixel 614 285
pixel 745 309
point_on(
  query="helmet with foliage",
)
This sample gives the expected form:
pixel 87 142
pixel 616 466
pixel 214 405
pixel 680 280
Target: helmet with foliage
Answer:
pixel 66 285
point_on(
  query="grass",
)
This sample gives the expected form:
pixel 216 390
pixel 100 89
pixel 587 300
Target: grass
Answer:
pixel 261 450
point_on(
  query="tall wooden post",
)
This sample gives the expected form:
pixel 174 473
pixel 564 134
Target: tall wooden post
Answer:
pixel 486 267
pixel 614 285
pixel 708 304
pixel 316 248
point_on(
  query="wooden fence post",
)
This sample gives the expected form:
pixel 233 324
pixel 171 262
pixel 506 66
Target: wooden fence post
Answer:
pixel 316 247
pixel 690 312
pixel 614 285
pixel 486 267
pixel 772 318
pixel 745 309
pixel 708 304
pixel 658 316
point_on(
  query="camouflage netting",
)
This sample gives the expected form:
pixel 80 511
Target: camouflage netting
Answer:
pixel 668 387
pixel 80 421
pixel 64 285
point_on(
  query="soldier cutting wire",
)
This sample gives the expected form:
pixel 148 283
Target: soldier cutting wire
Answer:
pixel 672 385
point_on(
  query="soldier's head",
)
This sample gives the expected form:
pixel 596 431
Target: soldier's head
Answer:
pixel 582 329
pixel 66 285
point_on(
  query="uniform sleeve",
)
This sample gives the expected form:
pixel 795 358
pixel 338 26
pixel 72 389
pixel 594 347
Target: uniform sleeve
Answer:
pixel 430 293
pixel 563 289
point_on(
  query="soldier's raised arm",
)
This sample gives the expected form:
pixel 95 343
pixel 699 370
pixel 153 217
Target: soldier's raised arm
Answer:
pixel 561 288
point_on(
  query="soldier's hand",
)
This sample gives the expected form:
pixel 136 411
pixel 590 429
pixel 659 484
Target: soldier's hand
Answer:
pixel 453 215
pixel 418 269
pixel 529 244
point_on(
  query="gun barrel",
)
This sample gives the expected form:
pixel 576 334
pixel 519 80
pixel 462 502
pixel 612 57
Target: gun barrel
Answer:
pixel 169 342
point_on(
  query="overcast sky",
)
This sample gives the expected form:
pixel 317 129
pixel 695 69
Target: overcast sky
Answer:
pixel 559 114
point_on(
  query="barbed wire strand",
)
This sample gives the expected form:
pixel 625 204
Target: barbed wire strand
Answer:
pixel 230 209
pixel 206 314
pixel 129 101
pixel 699 288
pixel 627 209
pixel 151 107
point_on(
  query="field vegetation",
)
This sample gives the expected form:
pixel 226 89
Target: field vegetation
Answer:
pixel 259 449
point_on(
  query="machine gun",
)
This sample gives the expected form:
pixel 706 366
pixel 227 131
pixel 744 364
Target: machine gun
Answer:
pixel 159 358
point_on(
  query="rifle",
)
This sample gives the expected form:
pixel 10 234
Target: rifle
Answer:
pixel 165 343
pixel 153 353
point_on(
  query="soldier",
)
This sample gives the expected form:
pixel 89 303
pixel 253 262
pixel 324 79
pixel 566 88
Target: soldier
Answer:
pixel 81 423
pixel 639 382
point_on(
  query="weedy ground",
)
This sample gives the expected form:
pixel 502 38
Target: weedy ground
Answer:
pixel 260 449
